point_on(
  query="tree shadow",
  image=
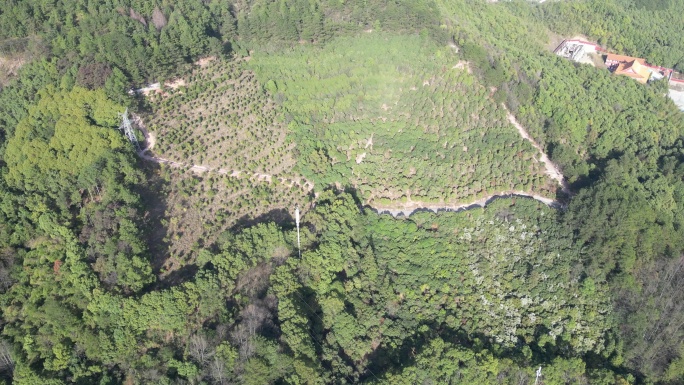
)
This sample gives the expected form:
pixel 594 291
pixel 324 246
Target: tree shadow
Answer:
pixel 154 202
pixel 281 217
pixel 177 277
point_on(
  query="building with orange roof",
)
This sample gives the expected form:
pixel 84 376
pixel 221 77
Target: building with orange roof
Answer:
pixel 635 70
pixel 613 60
pixel 634 67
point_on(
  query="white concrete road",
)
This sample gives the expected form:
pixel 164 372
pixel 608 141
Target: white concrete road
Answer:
pixel 678 98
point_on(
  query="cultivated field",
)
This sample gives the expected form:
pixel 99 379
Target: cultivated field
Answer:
pixel 223 123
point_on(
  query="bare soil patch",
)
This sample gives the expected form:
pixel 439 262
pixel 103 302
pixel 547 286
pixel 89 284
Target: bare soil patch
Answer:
pixel 9 68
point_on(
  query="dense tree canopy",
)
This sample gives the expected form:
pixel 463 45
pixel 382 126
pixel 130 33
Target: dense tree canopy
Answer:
pixel 366 103
pixel 643 28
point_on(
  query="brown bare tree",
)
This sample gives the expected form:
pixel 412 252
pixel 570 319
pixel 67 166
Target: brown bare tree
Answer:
pixel 200 349
pixel 217 371
pixel 6 360
pixel 255 280
pixel 252 319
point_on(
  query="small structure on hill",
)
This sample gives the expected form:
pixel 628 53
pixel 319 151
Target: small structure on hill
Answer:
pixel 676 80
pixel 676 92
pixel 579 51
pixel 582 51
pixel 568 48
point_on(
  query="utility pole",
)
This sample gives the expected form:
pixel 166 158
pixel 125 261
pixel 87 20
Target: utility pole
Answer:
pixel 127 129
pixel 299 246
pixel 538 376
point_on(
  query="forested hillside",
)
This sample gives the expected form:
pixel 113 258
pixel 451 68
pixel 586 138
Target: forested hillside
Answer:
pixel 180 264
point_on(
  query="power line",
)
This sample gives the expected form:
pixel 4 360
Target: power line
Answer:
pixel 299 248
pixel 127 129
pixel 299 245
pixel 539 373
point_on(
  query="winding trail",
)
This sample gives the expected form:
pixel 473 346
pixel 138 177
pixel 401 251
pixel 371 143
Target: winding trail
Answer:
pixel 552 171
pixel 151 141
pixel 405 209
pixel 415 207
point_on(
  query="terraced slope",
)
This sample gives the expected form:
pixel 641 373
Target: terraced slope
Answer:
pixel 400 120
pixel 222 122
pixel 222 118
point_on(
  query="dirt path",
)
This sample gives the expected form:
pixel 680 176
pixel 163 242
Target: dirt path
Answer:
pixel 551 169
pixel 405 209
pixel 151 141
pixel 410 208
pixel 150 137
